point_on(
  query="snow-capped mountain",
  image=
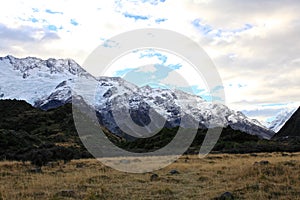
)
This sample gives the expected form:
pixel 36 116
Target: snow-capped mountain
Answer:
pixel 49 83
pixel 281 118
pixel 32 79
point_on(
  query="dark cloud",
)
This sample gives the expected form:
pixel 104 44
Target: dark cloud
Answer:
pixel 21 41
pixel 50 36
pixel 24 34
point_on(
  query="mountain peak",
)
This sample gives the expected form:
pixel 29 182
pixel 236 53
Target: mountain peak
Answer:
pixel 32 63
pixel 33 78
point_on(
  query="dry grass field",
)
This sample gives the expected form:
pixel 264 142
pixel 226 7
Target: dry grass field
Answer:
pixel 207 178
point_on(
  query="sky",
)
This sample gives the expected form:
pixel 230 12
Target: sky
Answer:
pixel 254 45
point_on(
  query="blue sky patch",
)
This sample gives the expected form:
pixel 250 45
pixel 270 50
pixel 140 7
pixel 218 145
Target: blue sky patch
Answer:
pixel 174 66
pixel 141 78
pixel 152 53
pixel 52 28
pixel 203 28
pixel 35 10
pixel 207 29
pixel 109 43
pixel 74 22
pixel 53 12
pixel 239 85
pixel 152 2
pixel 159 20
pixel 217 88
pixel 34 20
pixel 135 17
pixel 30 19
pixel 245 28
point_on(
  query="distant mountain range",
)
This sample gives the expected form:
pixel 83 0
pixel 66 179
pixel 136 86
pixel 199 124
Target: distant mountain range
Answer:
pixel 49 83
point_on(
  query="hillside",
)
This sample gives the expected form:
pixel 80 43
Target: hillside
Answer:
pixel 26 131
pixel 291 127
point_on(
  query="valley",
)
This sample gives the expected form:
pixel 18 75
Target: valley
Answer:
pixel 43 157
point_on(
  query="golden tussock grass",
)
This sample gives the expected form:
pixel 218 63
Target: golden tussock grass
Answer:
pixel 197 179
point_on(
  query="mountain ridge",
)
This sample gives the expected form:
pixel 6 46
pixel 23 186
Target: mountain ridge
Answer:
pixel 48 84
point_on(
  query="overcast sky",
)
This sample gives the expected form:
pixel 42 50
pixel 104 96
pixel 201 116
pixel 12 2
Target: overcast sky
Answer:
pixel 255 45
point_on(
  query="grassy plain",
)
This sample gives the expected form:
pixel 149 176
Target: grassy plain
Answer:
pixel 207 178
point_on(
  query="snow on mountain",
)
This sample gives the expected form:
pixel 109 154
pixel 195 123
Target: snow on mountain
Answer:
pixel 280 119
pixel 49 83
pixel 32 79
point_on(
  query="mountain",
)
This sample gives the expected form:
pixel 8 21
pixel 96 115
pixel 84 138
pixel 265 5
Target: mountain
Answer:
pixel 281 119
pixel 51 83
pixel 32 79
pixel 291 127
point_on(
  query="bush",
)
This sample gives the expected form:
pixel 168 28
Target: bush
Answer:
pixel 40 157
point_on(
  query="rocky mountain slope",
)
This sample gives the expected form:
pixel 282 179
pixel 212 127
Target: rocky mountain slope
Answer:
pixel 49 84
pixel 292 127
pixel 281 119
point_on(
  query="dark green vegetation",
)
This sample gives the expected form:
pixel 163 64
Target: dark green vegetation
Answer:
pixel 230 141
pixel 27 133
